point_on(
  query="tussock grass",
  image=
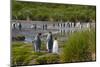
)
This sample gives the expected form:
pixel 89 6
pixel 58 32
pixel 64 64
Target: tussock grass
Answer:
pixel 79 47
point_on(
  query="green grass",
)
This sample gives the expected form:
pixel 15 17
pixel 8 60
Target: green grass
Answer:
pixel 79 47
pixel 23 53
pixel 47 59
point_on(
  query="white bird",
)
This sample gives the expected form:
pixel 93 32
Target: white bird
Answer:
pixel 55 46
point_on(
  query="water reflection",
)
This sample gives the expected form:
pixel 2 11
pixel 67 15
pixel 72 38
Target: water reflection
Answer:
pixel 61 30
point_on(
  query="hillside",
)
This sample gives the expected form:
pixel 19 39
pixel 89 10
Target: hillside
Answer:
pixel 52 12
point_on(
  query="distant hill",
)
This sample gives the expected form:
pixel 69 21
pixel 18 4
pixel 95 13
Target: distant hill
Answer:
pixel 52 12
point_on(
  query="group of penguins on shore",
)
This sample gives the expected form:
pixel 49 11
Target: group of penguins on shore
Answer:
pixel 54 25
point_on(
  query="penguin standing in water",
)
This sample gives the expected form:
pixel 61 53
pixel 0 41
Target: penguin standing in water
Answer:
pixel 14 26
pixel 58 24
pixel 35 26
pixel 64 25
pixel 32 26
pixel 20 26
pixel 45 26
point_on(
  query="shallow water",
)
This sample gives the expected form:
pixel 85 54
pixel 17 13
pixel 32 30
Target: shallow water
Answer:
pixel 28 30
